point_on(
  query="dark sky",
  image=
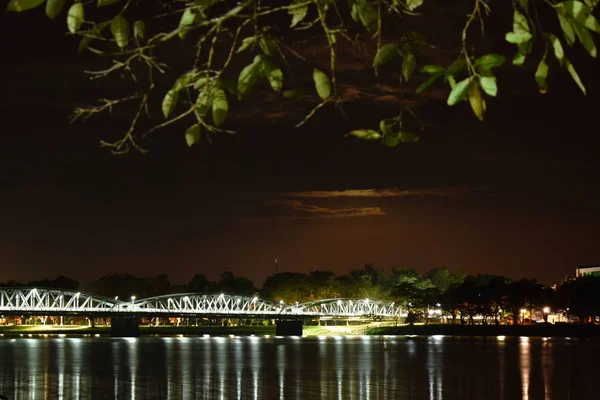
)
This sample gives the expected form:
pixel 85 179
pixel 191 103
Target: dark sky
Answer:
pixel 516 195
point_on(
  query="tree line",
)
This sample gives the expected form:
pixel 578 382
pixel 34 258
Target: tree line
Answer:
pixel 461 297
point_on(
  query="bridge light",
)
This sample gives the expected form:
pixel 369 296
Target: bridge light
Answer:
pixel 222 295
pixel 339 302
pixel 438 304
pixel 366 300
pixel 255 299
pixel 280 301
pixel 77 294
pixel 116 298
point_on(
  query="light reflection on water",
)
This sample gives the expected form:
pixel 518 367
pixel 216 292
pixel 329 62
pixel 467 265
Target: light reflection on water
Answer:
pixel 429 368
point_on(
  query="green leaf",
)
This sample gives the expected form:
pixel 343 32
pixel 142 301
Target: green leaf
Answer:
pixel 354 12
pixel 559 52
pixel 102 3
pixel 366 134
pixel 184 80
pixel 490 61
pixel 170 102
pixel 408 137
pixel 386 125
pixel 432 79
pixel 385 54
pixel 267 46
pixel 298 13
pixel 518 59
pixel 219 107
pixel 247 78
pixel 193 134
pixel 476 100
pixel 524 4
pixel 204 102
pixel 488 84
pixel 586 39
pixel 367 13
pixel 200 82
pixel 273 74
pixel 433 69
pixel 139 30
pixel 75 17
pixel 409 63
pixel 574 75
pixel 120 31
pixel 391 140
pixel 187 21
pixel 413 4
pixel 567 29
pixel 592 24
pixel 520 23
pixel 541 74
pixel 229 85
pixel 296 94
pixel 54 7
pixel 322 84
pixel 247 42
pixel 459 91
pixel 518 38
pixel 23 5
pixel 591 3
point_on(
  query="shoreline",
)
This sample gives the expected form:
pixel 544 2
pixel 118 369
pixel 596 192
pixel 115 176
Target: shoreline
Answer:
pixel 540 330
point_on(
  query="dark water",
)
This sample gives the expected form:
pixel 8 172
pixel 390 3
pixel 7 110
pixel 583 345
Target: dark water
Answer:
pixel 300 368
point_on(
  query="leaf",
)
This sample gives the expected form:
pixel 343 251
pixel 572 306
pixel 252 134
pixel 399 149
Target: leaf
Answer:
pixel 247 79
pixel 524 4
pixel 459 91
pixel 102 3
pixel 488 84
pixel 367 13
pixel 120 31
pixel 586 39
pixel 385 54
pixel 219 107
pixel 476 100
pixel 193 134
pixel 518 38
pixel 267 46
pixel 385 125
pixel 408 137
pixel 184 80
pixel 246 43
pixel 23 5
pixel 366 134
pixel 170 102
pixel 518 59
pixel 75 17
pixel 139 30
pixel 520 24
pixel 54 7
pixel 591 3
pixel 413 4
pixel 567 29
pixel 354 12
pixel 229 85
pixel 187 21
pixel 541 74
pixel 490 61
pixel 200 82
pixel 559 52
pixel 409 63
pixel 322 84
pixel 273 74
pixel 296 94
pixel 298 13
pixel 574 75
pixel 204 102
pixel 429 82
pixel 391 140
pixel 433 69
pixel 592 24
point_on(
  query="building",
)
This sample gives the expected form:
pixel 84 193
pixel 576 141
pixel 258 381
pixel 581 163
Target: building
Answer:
pixel 592 270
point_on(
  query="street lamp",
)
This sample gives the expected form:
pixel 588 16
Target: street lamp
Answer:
pixel 132 300
pixel 546 312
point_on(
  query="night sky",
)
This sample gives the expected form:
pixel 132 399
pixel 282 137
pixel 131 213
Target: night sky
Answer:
pixel 516 195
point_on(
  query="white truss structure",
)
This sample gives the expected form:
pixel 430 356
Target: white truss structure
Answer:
pixel 56 302
pixel 52 301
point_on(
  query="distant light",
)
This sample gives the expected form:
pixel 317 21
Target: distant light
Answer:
pixel 523 311
pixel 280 301
pixel 546 310
pixel 438 304
pixel 366 300
pixel 501 337
pixel 254 299
pixel 116 298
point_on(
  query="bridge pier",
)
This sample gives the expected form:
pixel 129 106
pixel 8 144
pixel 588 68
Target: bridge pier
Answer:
pixel 288 327
pixel 124 326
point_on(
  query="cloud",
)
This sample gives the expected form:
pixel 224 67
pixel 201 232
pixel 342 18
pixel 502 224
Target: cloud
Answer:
pixel 452 192
pixel 299 210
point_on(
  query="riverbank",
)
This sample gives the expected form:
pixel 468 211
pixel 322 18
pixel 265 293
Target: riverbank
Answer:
pixel 539 330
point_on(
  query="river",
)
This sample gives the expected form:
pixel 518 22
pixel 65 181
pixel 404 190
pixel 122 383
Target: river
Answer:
pixel 345 368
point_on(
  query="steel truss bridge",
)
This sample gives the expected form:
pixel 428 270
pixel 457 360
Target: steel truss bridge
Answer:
pixel 28 301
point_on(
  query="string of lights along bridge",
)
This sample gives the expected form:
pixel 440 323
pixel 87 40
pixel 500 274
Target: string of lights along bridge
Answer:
pixel 61 302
